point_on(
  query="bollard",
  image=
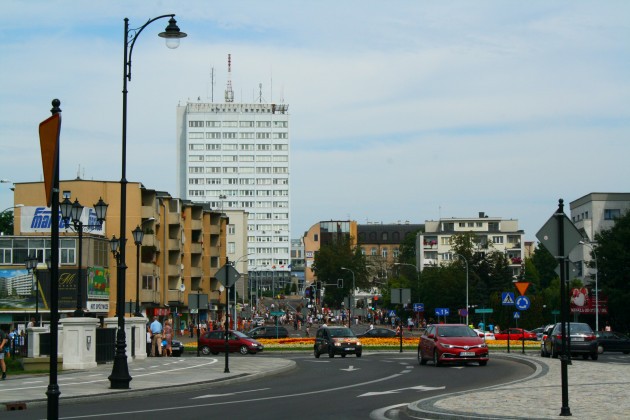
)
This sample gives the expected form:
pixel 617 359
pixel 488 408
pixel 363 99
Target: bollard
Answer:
pixel 16 406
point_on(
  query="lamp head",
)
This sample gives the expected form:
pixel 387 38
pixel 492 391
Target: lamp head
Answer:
pixel 138 235
pixel 172 34
pixel 101 210
pixel 114 243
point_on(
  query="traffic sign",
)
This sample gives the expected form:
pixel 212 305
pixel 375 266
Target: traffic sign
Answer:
pixel 521 286
pixel 483 311
pixel 522 303
pixel 517 315
pixel 548 236
pixel 391 313
pixel 507 298
pixel 442 312
pixel 227 275
pixel 418 307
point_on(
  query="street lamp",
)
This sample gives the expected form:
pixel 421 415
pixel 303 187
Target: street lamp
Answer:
pixel 417 272
pixel 138 235
pixel 31 266
pixel 588 244
pixel 466 262
pixel 120 378
pixel 351 304
pixel 72 212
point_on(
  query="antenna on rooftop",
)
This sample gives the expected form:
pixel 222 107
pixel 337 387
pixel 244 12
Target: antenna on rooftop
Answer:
pixel 229 94
pixel 260 95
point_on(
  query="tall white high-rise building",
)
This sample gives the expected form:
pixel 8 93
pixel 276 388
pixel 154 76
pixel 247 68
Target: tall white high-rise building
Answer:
pixel 236 156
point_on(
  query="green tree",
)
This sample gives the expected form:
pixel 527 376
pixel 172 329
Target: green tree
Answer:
pixel 328 264
pixel 545 265
pixel 613 262
pixel 6 222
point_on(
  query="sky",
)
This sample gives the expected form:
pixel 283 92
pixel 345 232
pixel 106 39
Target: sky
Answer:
pixel 399 110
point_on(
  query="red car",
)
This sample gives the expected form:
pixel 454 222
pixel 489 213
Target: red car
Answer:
pixel 452 343
pixel 515 334
pixel 214 342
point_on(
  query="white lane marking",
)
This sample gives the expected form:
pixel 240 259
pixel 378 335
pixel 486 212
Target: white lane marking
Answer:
pixel 228 394
pixel 350 369
pixel 396 391
pixel 274 397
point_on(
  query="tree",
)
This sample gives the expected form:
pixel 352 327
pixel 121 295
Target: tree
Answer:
pixel 6 223
pixel 613 262
pixel 545 265
pixel 327 266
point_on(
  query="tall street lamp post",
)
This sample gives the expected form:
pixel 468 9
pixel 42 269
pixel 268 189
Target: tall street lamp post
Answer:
pixel 138 235
pixel 351 304
pixel 596 288
pixel 120 378
pixel 73 212
pixel 417 272
pixel 31 266
pixel 466 262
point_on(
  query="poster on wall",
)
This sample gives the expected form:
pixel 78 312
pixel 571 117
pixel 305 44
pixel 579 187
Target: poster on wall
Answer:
pixel 98 283
pixel 21 291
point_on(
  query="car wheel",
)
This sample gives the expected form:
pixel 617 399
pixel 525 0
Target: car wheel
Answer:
pixel 554 353
pixel 421 359
pixel 436 358
pixel 331 353
pixel 215 353
pixel 315 352
pixel 483 362
pixel 600 350
pixel 205 350
pixel 585 356
pixel 243 350
pixel 625 352
pixel 594 356
pixel 359 354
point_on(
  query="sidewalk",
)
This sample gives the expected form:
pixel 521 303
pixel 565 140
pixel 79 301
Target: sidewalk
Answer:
pixel 149 374
pixel 596 391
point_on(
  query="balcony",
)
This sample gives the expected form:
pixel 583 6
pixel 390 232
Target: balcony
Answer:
pixel 196 224
pixel 174 218
pixel 195 248
pixel 174 244
pixel 173 270
pixel 150 240
pixel 175 296
pixel 150 296
pixel 148 212
pixel 196 272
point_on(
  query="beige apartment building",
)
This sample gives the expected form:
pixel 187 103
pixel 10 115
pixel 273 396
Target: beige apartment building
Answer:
pixel 183 247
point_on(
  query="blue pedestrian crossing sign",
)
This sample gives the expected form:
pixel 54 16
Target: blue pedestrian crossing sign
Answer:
pixel 507 298
pixel 522 303
pixel 392 313
pixel 517 315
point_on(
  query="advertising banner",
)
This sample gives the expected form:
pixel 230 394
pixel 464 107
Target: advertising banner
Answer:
pixel 583 302
pixel 39 219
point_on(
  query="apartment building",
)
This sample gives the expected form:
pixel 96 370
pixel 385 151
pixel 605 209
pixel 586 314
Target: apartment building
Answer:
pixel 182 248
pixel 235 156
pixel 433 246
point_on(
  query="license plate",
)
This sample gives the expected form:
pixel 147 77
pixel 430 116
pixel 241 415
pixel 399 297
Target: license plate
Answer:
pixel 467 353
pixel 577 338
pixel 348 349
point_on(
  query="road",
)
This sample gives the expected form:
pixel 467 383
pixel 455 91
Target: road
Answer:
pixel 317 389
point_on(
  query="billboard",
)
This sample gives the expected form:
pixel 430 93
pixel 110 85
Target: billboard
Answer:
pixel 38 220
pixel 583 302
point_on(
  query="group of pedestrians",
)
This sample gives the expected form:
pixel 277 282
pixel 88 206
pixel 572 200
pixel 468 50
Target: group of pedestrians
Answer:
pixel 160 338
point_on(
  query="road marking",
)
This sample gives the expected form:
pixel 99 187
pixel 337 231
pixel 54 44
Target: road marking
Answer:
pixel 350 369
pixel 228 394
pixel 396 391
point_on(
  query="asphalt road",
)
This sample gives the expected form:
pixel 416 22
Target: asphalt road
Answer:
pixel 340 388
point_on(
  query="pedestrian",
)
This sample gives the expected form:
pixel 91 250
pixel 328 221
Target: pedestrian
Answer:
pixel 607 327
pixel 4 346
pixel 31 323
pixel 149 339
pixel 156 337
pixel 190 328
pixel 168 338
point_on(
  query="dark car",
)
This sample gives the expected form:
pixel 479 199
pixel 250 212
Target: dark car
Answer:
pixel 268 332
pixel 177 348
pixel 378 333
pixel 336 340
pixel 214 342
pixel 452 343
pixel 582 340
pixel 613 341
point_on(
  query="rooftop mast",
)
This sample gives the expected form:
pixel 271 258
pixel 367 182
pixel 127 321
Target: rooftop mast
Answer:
pixel 229 94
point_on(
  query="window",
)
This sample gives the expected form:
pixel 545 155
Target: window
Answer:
pixel 263 124
pixel 213 158
pixel 497 239
pixel 195 170
pixel 213 146
pixel 281 158
pixel 373 251
pixel 148 282
pixel 280 181
pixel 263 135
pixel 230 181
pixel 195 181
pixel 213 170
pixel 280 124
pixel 280 147
pixel 213 181
pixel 396 253
pixel 195 123
pixel 246 123
pixel 281 170
pixel 611 214
pixel 478 224
pixel 446 240
pixel 230 158
pixel 246 158
pixel 384 236
pixel 247 147
pixel 231 229
pixel 280 136
pixel 229 135
pixel 263 158
pixel 195 158
pixel 231 247
pixel 263 170
pixel 230 123
pixel 247 135
pixel 263 147
pixel 67 249
pixel 384 252
pixel 213 123
pixel 213 135
pixel 195 193
pixel 195 146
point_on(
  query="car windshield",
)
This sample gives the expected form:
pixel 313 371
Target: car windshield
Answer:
pixel 455 331
pixel 577 328
pixel 239 334
pixel 341 332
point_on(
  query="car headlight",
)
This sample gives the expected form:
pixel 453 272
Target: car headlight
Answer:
pixel 358 343
pixel 337 344
pixel 447 346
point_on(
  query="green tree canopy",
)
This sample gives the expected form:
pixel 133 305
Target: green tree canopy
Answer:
pixel 6 222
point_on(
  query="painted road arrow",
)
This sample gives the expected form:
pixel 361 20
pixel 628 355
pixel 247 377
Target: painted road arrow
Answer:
pixel 395 391
pixel 350 369
pixel 228 394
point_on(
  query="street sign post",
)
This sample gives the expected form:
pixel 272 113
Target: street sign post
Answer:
pixel 507 298
pixel 418 307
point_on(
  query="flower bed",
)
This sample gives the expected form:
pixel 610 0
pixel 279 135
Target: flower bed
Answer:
pixel 306 343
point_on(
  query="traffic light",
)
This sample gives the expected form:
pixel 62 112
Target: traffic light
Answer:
pixel 374 302
pixel 340 283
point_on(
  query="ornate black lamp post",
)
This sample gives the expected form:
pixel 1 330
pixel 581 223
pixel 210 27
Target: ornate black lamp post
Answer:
pixel 120 378
pixel 31 266
pixel 72 212
pixel 138 235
